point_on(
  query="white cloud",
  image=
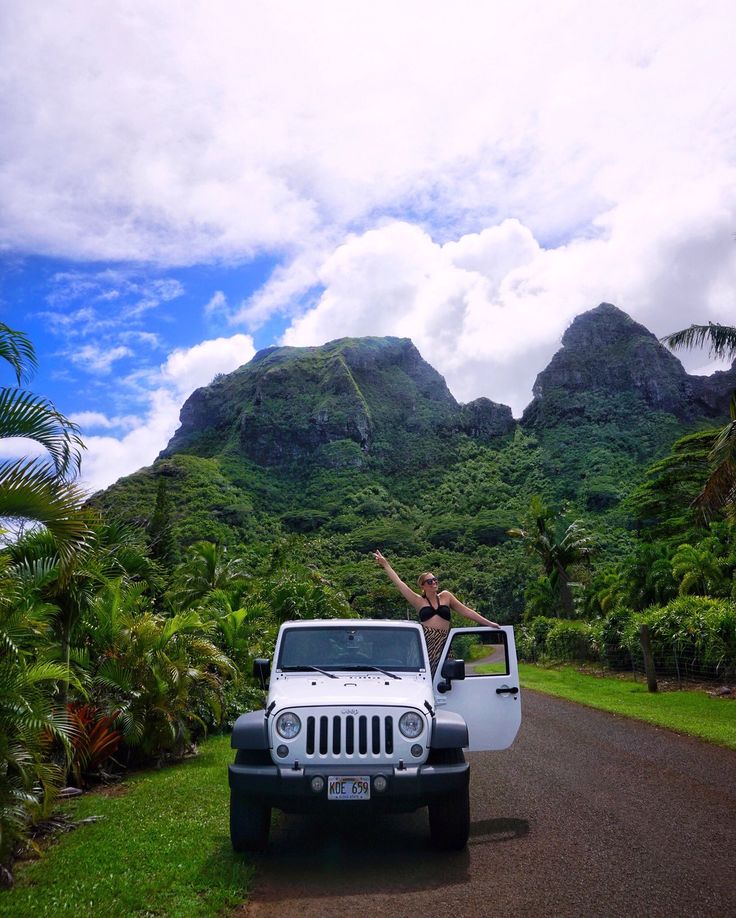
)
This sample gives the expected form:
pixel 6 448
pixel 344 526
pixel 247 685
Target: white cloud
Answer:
pixel 108 458
pixel 489 309
pixel 217 304
pixel 471 176
pixel 285 289
pixel 91 420
pixel 96 359
pixel 186 369
pixel 19 448
pixel 327 114
pixel 151 339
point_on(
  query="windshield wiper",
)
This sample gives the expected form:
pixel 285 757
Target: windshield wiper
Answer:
pixel 304 669
pixel 375 669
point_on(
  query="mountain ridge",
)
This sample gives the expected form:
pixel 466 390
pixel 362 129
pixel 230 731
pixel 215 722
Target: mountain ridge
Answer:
pixel 291 403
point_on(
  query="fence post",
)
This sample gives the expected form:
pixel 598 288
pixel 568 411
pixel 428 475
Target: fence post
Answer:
pixel 677 667
pixel 646 649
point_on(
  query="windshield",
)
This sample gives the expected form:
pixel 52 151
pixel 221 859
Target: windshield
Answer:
pixel 333 648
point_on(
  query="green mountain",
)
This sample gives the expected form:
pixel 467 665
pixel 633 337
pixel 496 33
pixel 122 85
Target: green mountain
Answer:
pixel 359 444
pixel 354 402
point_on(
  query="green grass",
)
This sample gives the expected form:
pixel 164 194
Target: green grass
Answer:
pixel 163 848
pixel 692 712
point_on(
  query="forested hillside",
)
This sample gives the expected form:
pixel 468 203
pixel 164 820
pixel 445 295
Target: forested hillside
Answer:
pixel 359 444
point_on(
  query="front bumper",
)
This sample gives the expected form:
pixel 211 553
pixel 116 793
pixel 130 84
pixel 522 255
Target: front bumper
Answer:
pixel 289 789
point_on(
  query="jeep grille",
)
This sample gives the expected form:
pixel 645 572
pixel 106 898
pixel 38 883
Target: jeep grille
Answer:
pixel 347 735
pixel 333 735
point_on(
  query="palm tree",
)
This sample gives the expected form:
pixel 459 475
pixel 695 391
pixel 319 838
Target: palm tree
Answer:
pixel 246 627
pixel 719 491
pixel 557 550
pixel 207 567
pixel 111 550
pixel 34 489
pixel 698 570
pixel 29 720
pixel 648 576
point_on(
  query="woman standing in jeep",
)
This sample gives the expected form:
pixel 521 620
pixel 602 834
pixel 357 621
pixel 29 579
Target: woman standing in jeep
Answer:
pixel 434 606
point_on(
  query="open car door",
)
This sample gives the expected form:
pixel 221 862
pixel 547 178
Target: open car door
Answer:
pixel 488 697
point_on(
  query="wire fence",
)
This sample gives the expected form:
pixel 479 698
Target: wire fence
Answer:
pixel 674 668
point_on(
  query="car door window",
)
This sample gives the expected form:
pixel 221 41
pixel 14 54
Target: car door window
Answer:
pixel 485 653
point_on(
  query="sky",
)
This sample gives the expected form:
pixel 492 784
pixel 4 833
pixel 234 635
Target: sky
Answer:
pixel 184 184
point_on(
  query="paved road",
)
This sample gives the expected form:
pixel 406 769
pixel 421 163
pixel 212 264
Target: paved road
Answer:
pixel 588 814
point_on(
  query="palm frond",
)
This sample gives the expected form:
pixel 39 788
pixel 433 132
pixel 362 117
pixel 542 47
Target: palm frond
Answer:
pixel 115 676
pixel 17 350
pixel 720 339
pixel 719 492
pixel 724 449
pixel 30 489
pixel 23 414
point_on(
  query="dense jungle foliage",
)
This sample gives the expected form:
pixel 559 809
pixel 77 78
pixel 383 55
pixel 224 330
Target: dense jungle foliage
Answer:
pixel 128 626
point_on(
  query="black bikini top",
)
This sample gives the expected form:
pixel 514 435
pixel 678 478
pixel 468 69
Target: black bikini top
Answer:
pixel 426 612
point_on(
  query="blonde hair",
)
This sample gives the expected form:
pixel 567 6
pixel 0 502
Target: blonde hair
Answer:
pixel 420 580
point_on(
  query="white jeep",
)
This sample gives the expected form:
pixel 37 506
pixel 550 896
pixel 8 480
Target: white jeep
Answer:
pixel 354 719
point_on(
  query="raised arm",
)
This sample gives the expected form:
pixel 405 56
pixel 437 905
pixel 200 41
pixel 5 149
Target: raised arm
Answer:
pixel 466 611
pixel 409 595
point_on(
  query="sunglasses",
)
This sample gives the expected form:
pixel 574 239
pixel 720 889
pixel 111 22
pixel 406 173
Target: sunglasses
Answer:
pixel 430 580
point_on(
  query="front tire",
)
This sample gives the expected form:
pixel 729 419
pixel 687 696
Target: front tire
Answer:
pixel 250 823
pixel 449 814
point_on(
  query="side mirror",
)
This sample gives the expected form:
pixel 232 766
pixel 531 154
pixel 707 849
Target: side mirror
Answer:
pixel 452 669
pixel 262 670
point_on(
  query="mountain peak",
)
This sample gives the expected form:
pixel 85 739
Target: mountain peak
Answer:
pixel 605 326
pixel 604 349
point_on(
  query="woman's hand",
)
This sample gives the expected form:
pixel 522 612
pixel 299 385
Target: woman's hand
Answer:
pixel 380 559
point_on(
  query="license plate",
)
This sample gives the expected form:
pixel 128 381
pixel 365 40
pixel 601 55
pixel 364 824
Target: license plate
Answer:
pixel 340 787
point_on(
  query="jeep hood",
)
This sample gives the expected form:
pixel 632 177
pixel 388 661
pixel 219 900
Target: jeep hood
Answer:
pixel 348 691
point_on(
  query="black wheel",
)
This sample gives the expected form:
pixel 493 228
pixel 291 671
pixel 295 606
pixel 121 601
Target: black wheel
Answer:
pixel 449 814
pixel 250 822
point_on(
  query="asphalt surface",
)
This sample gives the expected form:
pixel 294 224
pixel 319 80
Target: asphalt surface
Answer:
pixel 588 814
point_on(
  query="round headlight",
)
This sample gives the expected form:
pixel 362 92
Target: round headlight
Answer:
pixel 411 724
pixel 288 725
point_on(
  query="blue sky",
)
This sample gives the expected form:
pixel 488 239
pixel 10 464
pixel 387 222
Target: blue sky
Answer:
pixel 97 323
pixel 179 191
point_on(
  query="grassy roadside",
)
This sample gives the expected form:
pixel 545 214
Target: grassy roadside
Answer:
pixel 162 849
pixel 696 713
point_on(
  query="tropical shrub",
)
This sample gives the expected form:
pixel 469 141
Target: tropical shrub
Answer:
pixel 30 721
pixel 160 678
pixel 572 641
pixel 559 640
pixel 95 739
pixel 531 638
pixel 700 631
pixel 615 651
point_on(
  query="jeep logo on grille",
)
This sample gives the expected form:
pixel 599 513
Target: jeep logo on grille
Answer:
pixel 349 711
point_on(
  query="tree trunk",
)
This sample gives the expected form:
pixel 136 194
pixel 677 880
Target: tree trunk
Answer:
pixel 66 656
pixel 566 597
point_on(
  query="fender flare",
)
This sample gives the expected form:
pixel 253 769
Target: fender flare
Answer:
pixel 449 731
pixel 250 731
